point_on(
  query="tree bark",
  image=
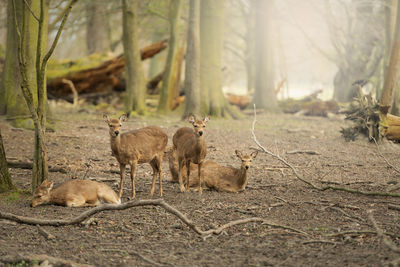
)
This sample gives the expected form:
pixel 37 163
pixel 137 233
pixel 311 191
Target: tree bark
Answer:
pixel 97 27
pixel 213 101
pixel 192 64
pixel 169 90
pixel 5 179
pixel 264 96
pixel 135 83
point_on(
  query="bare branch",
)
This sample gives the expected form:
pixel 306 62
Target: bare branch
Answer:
pixel 156 202
pixel 349 190
pixel 380 154
pixel 389 243
pixel 30 10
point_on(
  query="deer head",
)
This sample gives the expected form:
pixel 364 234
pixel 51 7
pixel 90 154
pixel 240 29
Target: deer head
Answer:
pixel 114 124
pixel 42 193
pixel 198 125
pixel 246 158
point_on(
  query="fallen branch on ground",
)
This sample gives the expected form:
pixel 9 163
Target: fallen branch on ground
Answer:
pixel 382 156
pixel 156 202
pixel 349 190
pixel 389 243
pixel 29 166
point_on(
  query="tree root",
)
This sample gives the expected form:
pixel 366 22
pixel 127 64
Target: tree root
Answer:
pixel 156 202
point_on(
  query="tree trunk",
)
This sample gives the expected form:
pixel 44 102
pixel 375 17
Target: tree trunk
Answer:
pixel 192 63
pixel 171 78
pixel 264 96
pixel 5 179
pixel 213 101
pixel 135 83
pixel 11 78
pixel 97 27
pixel 32 66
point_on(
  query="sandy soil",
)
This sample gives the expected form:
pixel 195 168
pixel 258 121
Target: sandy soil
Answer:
pixel 147 236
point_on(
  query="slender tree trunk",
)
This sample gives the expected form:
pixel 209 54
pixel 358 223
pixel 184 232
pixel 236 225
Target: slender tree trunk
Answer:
pixel 97 27
pixel 192 67
pixel 171 78
pixel 5 179
pixel 264 96
pixel 135 83
pixel 213 101
pixel 156 62
pixel 392 72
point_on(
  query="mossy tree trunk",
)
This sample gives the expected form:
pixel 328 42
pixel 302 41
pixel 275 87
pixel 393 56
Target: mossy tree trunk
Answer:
pixel 5 179
pixel 32 22
pixel 97 27
pixel 172 67
pixel 264 96
pixel 10 82
pixel 213 101
pixel 192 67
pixel 135 83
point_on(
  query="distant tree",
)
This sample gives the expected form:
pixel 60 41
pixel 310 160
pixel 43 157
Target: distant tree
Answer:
pixel 213 101
pixel 264 96
pixel 135 82
pixel 5 179
pixel 192 67
pixel 97 27
pixel 171 78
pixel 32 21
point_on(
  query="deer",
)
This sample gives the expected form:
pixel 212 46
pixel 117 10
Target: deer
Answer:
pixel 217 177
pixel 190 147
pixel 144 145
pixel 74 193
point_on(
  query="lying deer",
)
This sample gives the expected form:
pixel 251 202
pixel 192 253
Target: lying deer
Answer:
pixel 190 148
pixel 218 177
pixel 74 193
pixel 145 145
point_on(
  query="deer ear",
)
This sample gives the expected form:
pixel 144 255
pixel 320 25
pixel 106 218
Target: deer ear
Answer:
pixel 207 118
pixel 122 118
pixel 106 118
pixel 191 119
pixel 50 185
pixel 254 154
pixel 238 153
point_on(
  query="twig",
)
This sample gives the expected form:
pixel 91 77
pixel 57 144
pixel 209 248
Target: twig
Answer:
pixel 30 10
pixel 393 207
pixel 74 91
pixel 380 154
pixel 360 232
pixel 389 243
pixel 131 204
pixel 318 241
pixel 346 214
pixel 349 190
pixel 44 233
pixel 310 152
pixel 29 166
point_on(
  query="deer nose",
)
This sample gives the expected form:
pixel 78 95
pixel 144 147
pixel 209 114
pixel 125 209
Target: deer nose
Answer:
pixel 247 167
pixel 116 133
pixel 200 133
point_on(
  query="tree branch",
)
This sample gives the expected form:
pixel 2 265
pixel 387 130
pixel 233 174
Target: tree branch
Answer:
pixel 349 190
pixel 30 10
pixel 389 243
pixel 156 202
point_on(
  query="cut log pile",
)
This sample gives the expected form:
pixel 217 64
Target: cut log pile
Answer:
pixel 106 77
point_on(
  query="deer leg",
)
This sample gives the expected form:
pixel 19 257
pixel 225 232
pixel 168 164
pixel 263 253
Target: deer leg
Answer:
pixel 181 186
pixel 133 173
pixel 200 180
pixel 159 160
pixel 122 173
pixel 153 164
pixel 188 174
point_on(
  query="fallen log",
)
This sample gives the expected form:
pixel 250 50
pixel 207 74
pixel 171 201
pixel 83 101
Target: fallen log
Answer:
pixel 103 78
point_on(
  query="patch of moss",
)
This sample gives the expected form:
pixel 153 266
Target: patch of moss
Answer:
pixel 16 195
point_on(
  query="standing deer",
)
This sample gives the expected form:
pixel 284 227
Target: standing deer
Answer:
pixel 219 177
pixel 145 145
pixel 74 193
pixel 190 148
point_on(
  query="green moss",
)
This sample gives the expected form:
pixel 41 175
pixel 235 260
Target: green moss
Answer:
pixel 15 195
pixel 59 68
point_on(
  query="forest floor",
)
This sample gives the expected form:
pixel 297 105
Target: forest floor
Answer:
pixel 334 228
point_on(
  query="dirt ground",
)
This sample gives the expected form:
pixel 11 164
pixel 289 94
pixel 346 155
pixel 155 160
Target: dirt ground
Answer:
pixel 337 231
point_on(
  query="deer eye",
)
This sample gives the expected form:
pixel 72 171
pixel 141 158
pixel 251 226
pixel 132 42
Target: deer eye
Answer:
pixel 195 126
